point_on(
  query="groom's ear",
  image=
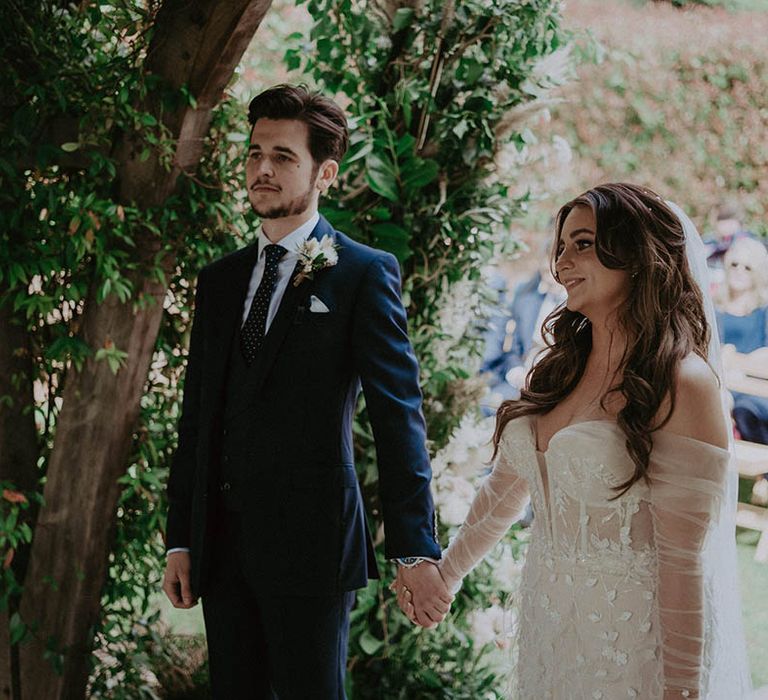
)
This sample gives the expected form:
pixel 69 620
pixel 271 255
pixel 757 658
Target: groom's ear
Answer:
pixel 326 175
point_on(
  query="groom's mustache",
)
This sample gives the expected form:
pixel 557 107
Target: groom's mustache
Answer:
pixel 262 183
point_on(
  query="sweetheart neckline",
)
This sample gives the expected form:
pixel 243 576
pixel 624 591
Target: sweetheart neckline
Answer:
pixel 533 422
pixel 533 430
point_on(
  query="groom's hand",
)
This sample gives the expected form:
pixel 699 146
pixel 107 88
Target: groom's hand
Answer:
pixel 422 594
pixel 176 580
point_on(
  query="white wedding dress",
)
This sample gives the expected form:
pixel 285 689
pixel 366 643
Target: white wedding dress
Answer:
pixel 614 601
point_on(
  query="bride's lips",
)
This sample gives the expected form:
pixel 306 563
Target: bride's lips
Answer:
pixel 571 283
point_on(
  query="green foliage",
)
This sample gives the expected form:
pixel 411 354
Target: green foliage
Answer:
pixel 429 89
pixel 685 118
pixel 71 83
pixel 15 533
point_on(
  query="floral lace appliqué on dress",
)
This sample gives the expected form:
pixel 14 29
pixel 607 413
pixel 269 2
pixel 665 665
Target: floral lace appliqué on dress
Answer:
pixel 599 610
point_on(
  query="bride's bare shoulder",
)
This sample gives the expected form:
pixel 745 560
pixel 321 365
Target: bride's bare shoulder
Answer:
pixel 698 409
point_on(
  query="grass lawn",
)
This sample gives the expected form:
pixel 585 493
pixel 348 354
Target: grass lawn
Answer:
pixel 754 588
pixel 180 621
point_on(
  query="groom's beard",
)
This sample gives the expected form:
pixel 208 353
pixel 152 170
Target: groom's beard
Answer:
pixel 298 205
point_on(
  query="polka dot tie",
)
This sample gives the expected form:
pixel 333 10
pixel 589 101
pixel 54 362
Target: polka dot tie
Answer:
pixel 255 327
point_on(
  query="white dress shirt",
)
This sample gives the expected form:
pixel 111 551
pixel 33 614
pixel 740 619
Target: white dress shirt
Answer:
pixel 291 243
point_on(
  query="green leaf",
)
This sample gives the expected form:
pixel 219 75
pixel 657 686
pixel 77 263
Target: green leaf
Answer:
pixel 115 358
pixel 405 144
pixel 366 148
pixel 472 71
pixel 18 629
pixel 403 17
pixel 381 177
pixel 70 146
pixel 421 175
pixel 10 522
pixel 392 238
pixel 369 644
pixel 381 213
pixel 431 678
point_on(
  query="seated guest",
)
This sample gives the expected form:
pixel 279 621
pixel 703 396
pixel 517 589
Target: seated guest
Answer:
pixel 727 229
pixel 515 338
pixel 742 320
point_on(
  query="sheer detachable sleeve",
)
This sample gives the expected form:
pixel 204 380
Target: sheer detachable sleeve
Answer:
pixel 687 482
pixel 499 502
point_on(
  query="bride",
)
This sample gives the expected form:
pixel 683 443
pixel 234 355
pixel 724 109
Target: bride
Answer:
pixel 621 442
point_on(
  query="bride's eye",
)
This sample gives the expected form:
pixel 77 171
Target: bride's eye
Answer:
pixel 583 243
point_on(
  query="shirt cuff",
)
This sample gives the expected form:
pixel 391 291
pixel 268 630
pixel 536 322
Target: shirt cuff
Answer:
pixel 177 549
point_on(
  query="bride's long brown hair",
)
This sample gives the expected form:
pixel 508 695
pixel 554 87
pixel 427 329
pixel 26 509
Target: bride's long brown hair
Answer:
pixel 663 318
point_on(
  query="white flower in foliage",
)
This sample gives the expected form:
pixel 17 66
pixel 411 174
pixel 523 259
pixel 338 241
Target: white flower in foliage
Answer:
pixel 453 497
pixel 488 625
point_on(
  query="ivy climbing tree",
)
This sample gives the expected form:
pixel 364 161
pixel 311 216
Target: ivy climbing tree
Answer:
pixel 105 113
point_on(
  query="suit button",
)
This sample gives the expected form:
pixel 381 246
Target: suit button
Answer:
pixel 226 459
pixel 226 486
pixel 225 432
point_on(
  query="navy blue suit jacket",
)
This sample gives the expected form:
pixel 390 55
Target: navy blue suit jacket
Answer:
pixel 304 522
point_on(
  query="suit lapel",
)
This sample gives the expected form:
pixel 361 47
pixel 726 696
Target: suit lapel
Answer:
pixel 229 313
pixel 293 298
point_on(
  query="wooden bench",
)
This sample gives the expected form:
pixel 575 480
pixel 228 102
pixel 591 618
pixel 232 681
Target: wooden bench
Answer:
pixel 752 460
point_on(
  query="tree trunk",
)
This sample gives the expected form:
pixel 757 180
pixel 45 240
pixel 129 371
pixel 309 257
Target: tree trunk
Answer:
pixel 18 456
pixel 197 44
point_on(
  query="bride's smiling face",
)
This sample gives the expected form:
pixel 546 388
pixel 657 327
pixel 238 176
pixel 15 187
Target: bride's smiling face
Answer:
pixel 594 290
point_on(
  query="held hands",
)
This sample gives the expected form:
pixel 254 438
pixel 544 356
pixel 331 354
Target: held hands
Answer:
pixel 422 594
pixel 176 581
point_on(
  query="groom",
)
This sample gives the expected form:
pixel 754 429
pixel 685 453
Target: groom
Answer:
pixel 266 521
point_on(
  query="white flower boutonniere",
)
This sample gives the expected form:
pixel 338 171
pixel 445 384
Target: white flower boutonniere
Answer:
pixel 315 255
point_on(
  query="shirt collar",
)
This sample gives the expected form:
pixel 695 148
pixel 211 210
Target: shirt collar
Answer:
pixel 293 240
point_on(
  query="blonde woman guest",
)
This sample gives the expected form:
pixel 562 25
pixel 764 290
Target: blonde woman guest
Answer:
pixel 742 320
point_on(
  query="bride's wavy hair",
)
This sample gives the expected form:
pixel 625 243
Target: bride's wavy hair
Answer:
pixel 663 318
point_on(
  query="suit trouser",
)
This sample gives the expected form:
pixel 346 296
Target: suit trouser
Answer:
pixel 266 646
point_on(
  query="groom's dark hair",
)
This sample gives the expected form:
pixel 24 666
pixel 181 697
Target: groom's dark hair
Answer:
pixel 325 120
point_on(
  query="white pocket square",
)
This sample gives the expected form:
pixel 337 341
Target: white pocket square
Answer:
pixel 316 306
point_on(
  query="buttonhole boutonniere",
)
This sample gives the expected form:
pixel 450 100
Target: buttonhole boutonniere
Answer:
pixel 315 255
